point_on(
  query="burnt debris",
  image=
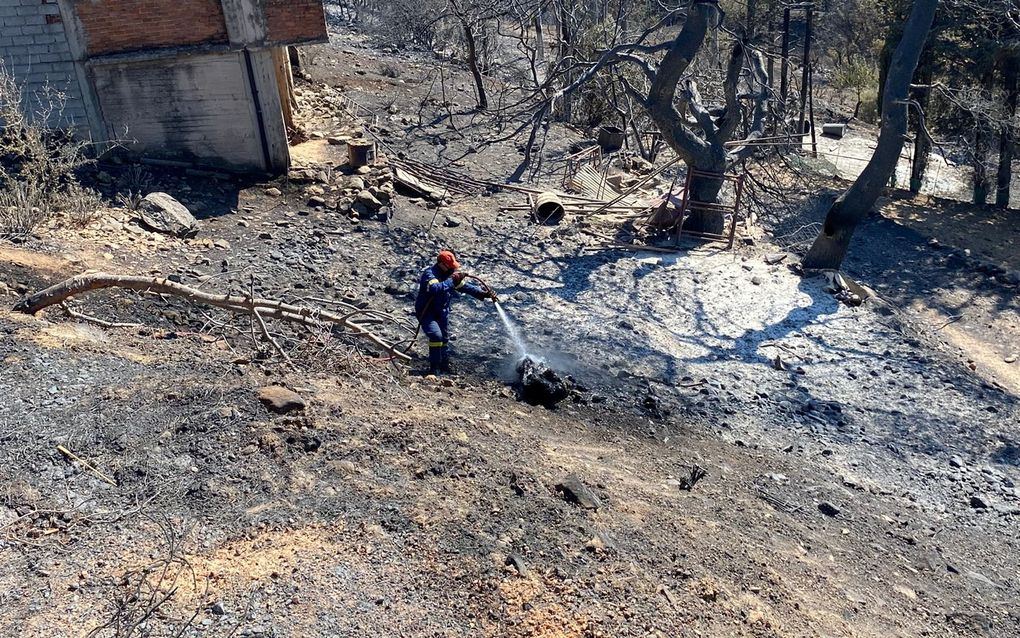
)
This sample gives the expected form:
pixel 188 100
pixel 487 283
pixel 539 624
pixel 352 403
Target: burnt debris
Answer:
pixel 541 385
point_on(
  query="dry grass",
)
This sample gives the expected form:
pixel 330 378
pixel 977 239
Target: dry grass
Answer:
pixel 39 166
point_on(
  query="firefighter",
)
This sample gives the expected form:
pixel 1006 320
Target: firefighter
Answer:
pixel 436 288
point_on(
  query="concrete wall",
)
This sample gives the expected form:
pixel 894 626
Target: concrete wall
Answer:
pixel 190 80
pixel 34 49
pixel 197 109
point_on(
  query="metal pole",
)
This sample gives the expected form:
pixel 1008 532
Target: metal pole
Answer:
pixel 804 77
pixel 811 112
pixel 784 78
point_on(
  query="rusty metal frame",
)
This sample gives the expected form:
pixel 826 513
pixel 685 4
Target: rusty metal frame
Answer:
pixel 733 211
pixel 591 155
pixel 357 111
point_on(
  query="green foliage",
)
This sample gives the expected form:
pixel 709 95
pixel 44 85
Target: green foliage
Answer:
pixel 869 108
pixel 857 75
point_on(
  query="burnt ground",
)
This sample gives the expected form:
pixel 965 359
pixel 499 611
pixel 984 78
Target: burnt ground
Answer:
pixel 866 488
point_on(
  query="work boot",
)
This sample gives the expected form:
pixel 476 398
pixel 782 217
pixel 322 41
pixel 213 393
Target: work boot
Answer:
pixel 444 361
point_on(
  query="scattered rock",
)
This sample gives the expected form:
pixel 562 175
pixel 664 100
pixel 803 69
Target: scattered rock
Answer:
pixel 775 258
pixel 756 280
pixel 827 508
pixel 316 201
pixel 451 222
pixel 979 502
pixel 1010 359
pixel 597 544
pixel 981 578
pixel 162 213
pixel 217 609
pixel 274 192
pixel 517 561
pixel 280 400
pixel 369 201
pixel 578 493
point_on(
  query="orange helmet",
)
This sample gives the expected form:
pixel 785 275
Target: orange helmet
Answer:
pixel 447 260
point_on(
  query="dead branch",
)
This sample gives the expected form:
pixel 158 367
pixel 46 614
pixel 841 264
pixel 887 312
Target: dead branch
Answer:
pixel 267 308
pixel 88 466
pixel 102 323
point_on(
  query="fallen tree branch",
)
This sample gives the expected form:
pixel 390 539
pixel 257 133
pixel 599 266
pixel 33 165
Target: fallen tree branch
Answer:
pixel 102 323
pixel 266 308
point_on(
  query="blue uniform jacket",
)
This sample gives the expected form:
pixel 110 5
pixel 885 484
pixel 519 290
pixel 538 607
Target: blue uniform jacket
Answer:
pixel 436 291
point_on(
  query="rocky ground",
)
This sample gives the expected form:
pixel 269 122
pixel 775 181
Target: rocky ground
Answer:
pixel 860 464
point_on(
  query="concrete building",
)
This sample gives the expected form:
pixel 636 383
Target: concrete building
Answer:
pixel 205 82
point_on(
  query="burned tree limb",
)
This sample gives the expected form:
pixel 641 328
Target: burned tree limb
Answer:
pixel 266 308
pixel 843 217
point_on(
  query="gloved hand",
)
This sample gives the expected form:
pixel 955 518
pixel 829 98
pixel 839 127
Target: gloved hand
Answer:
pixel 458 277
pixel 493 296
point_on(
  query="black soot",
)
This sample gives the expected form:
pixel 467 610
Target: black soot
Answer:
pixel 541 385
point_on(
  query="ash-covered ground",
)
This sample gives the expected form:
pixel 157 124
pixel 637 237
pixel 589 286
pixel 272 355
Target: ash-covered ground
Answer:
pixel 862 463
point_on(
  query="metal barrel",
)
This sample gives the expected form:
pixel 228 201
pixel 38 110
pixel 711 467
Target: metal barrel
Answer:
pixel 548 209
pixel 361 153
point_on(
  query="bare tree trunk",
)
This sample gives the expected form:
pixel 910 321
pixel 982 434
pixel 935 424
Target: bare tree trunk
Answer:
pixel 701 156
pixel 830 247
pixel 476 73
pixel 922 145
pixel 982 146
pixel 540 46
pixel 784 77
pixel 1007 137
pixel 566 112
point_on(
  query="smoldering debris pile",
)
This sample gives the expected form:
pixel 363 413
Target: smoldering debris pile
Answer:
pixel 541 385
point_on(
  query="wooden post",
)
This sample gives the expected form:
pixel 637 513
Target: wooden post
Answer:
pixel 811 110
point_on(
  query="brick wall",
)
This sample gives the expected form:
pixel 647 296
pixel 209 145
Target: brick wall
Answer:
pixel 34 49
pixel 114 26
pixel 290 21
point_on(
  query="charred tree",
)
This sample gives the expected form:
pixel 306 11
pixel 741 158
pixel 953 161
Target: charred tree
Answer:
pixel 830 247
pixel 919 94
pixel 476 72
pixel 1007 136
pixel 704 148
pixel 982 145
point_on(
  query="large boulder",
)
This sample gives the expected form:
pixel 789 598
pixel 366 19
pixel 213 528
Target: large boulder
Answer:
pixel 164 214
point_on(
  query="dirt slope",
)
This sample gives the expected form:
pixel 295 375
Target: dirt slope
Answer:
pixel 867 487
